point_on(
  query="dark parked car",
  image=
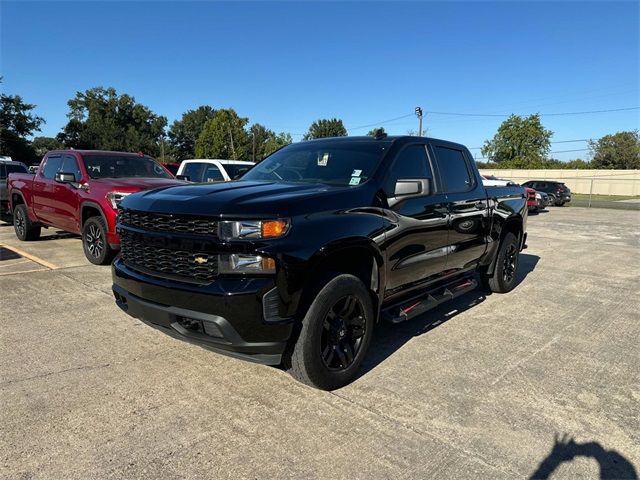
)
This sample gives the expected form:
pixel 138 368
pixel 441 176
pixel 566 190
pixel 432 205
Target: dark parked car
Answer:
pixel 7 167
pixel 78 191
pixel 298 260
pixel 558 191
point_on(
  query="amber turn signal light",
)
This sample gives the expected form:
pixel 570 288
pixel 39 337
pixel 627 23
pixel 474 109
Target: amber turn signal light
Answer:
pixel 273 228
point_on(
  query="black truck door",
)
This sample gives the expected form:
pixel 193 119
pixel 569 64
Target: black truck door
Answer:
pixel 467 205
pixel 417 244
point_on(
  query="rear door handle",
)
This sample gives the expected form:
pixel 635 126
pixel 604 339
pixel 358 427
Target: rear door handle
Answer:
pixel 480 205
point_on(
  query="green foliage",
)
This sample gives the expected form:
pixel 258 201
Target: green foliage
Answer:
pixel 43 144
pixel 101 119
pixel 224 137
pixel 373 132
pixel 17 122
pixel 544 164
pixel 184 132
pixel 521 142
pixel 266 141
pixel 326 128
pixel 620 150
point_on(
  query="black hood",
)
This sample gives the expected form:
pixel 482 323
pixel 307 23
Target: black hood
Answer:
pixel 248 199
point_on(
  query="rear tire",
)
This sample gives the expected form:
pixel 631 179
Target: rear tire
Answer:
pixel 504 275
pixel 94 242
pixel 24 228
pixel 335 335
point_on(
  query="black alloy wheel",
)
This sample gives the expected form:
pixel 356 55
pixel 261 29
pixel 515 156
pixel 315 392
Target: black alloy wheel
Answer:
pixel 19 223
pixel 344 329
pixel 510 263
pixel 94 240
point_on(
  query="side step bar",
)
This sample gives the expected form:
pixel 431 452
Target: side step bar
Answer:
pixel 418 305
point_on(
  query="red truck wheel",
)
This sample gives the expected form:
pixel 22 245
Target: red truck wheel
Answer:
pixel 25 230
pixel 94 242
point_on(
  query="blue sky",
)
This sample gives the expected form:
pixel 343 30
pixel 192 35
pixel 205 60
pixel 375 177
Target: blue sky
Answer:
pixel 287 64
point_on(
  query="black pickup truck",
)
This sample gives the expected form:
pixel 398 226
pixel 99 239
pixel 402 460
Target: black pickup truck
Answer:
pixel 296 262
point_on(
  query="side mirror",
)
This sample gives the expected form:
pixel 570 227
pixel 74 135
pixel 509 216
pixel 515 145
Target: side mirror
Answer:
pixel 183 177
pixel 410 187
pixel 62 177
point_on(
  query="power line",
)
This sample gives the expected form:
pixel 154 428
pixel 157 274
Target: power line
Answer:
pixel 377 124
pixel 541 114
pixel 557 141
pixel 557 151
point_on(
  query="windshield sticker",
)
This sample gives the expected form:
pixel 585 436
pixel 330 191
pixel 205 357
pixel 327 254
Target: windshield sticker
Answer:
pixel 356 173
pixel 322 161
pixel 354 181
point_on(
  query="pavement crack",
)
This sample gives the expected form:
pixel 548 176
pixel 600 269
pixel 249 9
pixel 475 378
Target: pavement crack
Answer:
pixel 57 372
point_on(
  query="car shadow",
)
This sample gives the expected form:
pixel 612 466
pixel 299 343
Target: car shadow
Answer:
pixel 388 337
pixel 612 464
pixel 59 235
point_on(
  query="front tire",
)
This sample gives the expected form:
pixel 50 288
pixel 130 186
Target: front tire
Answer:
pixel 335 335
pixel 503 279
pixel 94 242
pixel 22 225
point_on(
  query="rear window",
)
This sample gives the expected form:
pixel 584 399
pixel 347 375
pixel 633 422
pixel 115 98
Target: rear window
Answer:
pixel 123 166
pixel 236 170
pixel 7 168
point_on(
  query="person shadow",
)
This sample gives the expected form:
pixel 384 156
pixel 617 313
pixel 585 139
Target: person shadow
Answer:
pixel 612 464
pixel 388 338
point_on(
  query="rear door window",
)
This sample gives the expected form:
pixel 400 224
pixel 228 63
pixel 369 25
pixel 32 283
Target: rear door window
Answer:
pixel 454 169
pixel 51 167
pixel 213 174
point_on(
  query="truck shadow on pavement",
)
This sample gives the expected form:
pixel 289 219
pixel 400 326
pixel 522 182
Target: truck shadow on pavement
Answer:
pixel 388 338
pixel 612 464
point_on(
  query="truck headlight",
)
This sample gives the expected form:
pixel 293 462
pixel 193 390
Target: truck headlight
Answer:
pixel 116 197
pixel 240 263
pixel 252 229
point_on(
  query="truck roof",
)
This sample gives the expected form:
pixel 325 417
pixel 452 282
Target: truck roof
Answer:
pixel 386 139
pixel 101 152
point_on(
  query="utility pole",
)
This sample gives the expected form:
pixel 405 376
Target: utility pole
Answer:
pixel 233 150
pixel 419 115
pixel 253 132
pixel 162 148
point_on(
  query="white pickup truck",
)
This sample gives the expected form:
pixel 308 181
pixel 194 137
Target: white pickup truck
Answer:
pixel 206 170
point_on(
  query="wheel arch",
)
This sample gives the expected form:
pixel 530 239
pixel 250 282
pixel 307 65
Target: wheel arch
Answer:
pixel 90 209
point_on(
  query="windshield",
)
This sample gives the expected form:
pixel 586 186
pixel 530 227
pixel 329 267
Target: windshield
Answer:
pixel 340 163
pixel 236 170
pixel 119 166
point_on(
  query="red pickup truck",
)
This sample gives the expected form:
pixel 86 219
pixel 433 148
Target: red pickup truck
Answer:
pixel 79 191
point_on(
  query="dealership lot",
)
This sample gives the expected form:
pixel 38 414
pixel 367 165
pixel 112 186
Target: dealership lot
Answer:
pixel 480 387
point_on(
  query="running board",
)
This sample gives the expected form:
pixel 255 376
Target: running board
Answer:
pixel 418 305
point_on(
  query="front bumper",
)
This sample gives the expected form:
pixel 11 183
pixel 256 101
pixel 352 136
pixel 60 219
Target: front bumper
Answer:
pixel 225 316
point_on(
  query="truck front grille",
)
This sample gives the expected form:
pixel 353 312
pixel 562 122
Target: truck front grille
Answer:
pixel 179 265
pixel 159 222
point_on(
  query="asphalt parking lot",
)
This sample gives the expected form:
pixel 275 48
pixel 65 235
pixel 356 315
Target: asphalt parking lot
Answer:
pixel 542 381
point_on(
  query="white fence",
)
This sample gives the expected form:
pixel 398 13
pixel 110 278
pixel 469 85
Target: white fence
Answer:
pixel 596 182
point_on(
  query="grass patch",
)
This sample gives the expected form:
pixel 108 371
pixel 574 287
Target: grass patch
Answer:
pixel 610 198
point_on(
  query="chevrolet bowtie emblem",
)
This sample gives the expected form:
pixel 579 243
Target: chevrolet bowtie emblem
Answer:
pixel 201 260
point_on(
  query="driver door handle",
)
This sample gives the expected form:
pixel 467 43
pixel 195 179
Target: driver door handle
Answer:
pixel 481 205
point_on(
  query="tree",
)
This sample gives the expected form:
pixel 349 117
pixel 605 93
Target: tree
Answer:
pixel 374 132
pixel 99 118
pixel 17 122
pixel 521 142
pixel 620 150
pixel 42 145
pixel 266 141
pixel 184 132
pixel 224 136
pixel 326 128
